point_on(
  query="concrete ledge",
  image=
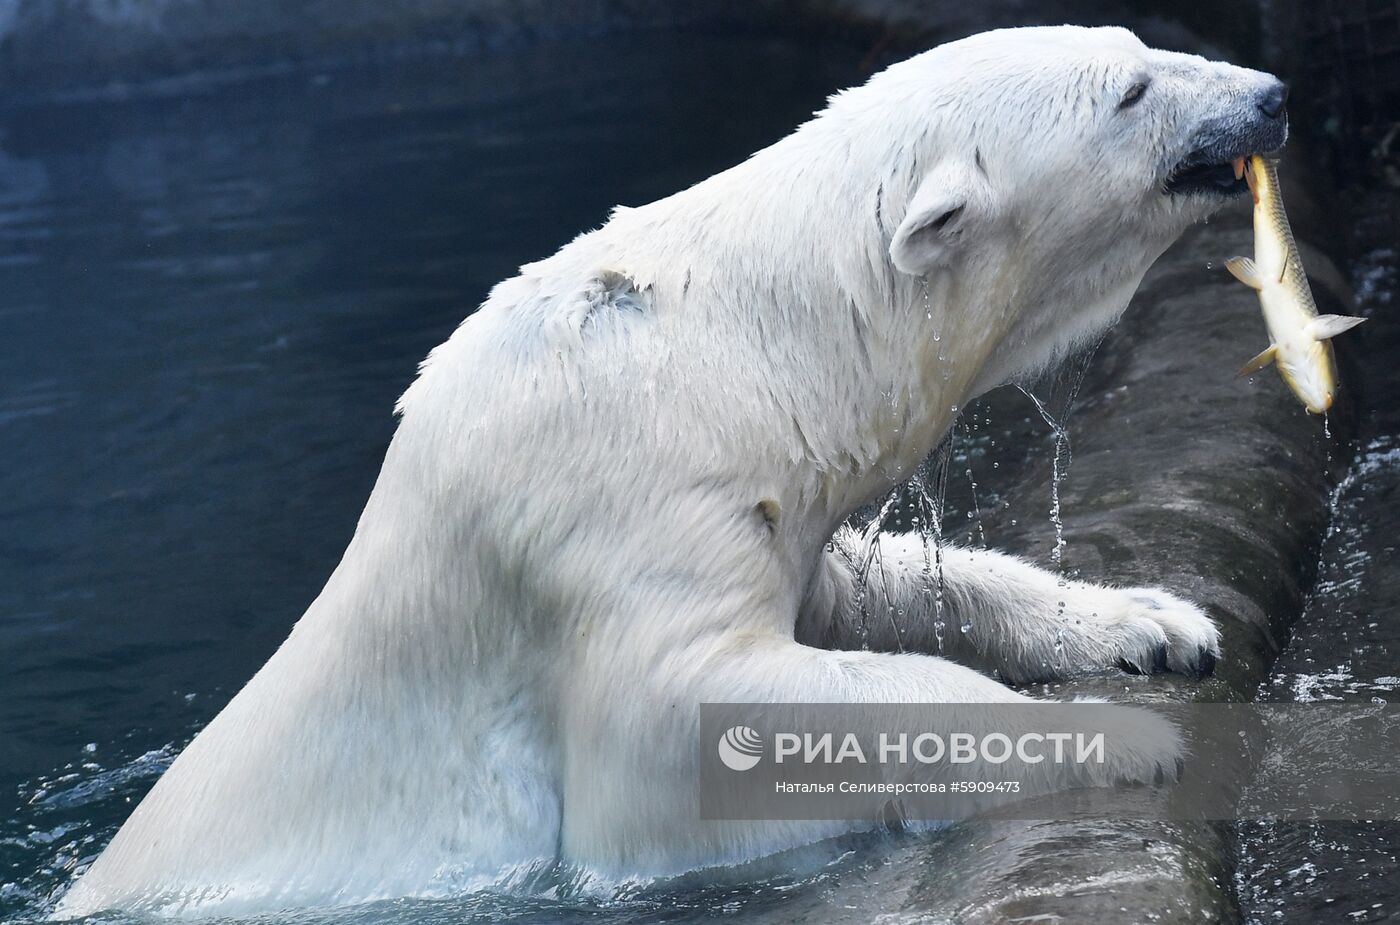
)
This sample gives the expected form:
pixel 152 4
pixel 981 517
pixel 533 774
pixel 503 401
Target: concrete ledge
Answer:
pixel 1186 477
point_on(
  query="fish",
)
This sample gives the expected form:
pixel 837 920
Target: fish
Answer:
pixel 1299 337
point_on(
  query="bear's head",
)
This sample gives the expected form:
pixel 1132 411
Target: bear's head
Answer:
pixel 1050 166
pixel 1084 132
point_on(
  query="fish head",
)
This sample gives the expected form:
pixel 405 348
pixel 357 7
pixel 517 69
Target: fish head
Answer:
pixel 1309 371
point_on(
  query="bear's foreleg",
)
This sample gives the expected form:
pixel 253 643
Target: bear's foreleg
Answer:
pixel 996 611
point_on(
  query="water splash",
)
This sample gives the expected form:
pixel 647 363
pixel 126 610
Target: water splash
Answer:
pixel 1326 446
pixel 928 500
pixel 1059 466
pixel 67 817
pixel 961 458
pixel 976 513
pixel 868 555
pixel 1072 379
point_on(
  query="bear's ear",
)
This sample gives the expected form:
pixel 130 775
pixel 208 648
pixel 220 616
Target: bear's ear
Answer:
pixel 948 204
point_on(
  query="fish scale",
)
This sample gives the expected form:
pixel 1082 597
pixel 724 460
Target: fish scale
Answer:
pixel 1268 195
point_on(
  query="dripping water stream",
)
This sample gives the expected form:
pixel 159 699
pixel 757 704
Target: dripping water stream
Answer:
pixel 921 506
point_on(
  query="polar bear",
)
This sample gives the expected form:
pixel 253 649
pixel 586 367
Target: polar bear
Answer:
pixel 616 491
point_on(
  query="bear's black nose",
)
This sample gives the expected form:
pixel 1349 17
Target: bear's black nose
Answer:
pixel 1270 101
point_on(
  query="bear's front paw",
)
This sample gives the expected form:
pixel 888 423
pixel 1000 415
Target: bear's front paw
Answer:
pixel 1153 630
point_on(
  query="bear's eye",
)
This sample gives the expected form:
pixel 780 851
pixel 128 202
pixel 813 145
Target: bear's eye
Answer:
pixel 1134 95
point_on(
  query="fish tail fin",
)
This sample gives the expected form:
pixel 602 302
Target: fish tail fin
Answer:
pixel 1246 271
pixel 1326 326
pixel 1264 358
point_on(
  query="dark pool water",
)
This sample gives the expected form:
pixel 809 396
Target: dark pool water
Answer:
pixel 209 301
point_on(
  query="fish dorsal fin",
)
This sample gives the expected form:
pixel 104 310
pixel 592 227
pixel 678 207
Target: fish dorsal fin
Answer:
pixel 1246 271
pixel 1264 358
pixel 1325 326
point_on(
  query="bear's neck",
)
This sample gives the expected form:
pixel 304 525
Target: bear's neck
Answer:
pixel 869 366
pixel 845 347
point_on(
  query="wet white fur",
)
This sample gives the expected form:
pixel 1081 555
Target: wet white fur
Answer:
pixel 613 488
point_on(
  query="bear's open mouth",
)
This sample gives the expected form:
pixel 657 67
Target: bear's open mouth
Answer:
pixel 1225 178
